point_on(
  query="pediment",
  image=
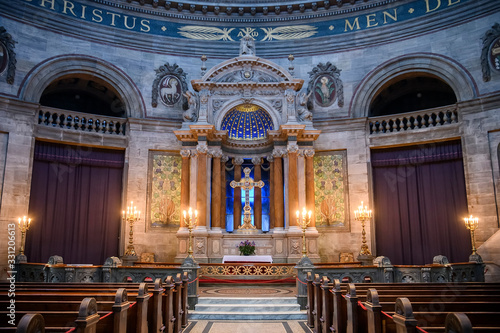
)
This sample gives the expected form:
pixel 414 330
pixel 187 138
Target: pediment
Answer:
pixel 246 70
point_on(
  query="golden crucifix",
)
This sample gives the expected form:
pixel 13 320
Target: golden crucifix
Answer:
pixel 247 184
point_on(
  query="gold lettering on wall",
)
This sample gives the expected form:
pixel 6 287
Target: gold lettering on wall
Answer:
pixel 52 4
pixel 97 13
pixel 83 12
pixel 145 26
pixel 427 5
pixel 451 2
pixel 126 22
pixel 370 19
pixel 69 6
pixel 113 15
pixel 351 26
pixel 394 18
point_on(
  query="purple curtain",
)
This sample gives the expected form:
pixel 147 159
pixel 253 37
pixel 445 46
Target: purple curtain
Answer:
pixel 420 201
pixel 75 203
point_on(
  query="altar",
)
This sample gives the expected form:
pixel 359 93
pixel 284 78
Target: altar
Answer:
pixel 247 259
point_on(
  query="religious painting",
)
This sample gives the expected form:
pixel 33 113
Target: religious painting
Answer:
pixel 170 90
pixel 324 90
pixel 164 189
pixel 330 188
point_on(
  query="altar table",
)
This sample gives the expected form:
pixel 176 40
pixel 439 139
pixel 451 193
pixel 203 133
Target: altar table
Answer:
pixel 246 259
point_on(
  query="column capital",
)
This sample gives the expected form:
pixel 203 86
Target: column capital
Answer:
pixel 270 158
pixel 257 160
pixel 215 152
pixel 292 148
pixel 224 158
pixel 279 152
pixel 238 160
pixel 185 153
pixel 309 152
pixel 202 148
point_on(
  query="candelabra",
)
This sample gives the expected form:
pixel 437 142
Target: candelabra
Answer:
pixel 24 225
pixel 131 216
pixel 190 224
pixel 362 214
pixel 472 223
pixel 306 220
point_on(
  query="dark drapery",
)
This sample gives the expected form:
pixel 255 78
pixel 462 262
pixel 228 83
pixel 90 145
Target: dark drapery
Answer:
pixel 75 203
pixel 420 201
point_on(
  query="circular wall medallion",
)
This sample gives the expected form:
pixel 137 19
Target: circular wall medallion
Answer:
pixel 170 90
pixel 494 55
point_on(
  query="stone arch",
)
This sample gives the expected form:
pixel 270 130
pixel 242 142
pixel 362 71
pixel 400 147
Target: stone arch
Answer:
pixel 436 65
pixel 275 116
pixel 63 65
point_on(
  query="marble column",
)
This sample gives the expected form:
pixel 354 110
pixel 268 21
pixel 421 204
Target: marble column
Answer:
pixel 201 186
pixel 293 186
pixel 257 203
pixel 310 203
pixel 216 189
pixel 223 161
pixel 185 173
pixel 278 190
pixel 237 193
pixel 272 211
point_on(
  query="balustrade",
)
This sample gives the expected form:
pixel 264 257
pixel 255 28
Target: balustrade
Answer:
pixel 66 119
pixel 414 120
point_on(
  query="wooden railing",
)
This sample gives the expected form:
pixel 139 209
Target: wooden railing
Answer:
pixel 414 120
pixel 66 119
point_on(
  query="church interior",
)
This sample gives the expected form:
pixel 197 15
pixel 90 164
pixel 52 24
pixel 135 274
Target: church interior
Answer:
pixel 150 133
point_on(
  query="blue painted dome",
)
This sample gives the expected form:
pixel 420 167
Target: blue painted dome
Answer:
pixel 247 122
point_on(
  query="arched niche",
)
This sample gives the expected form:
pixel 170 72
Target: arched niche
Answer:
pixel 76 64
pixel 275 116
pixel 434 65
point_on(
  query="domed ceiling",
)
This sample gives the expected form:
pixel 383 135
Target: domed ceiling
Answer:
pixel 247 122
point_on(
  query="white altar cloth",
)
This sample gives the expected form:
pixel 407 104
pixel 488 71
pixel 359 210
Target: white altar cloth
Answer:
pixel 236 259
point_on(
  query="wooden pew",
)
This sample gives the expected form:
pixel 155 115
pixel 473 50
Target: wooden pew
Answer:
pixel 61 311
pixel 447 296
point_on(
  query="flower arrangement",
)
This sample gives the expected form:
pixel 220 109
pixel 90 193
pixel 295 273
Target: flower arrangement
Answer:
pixel 246 248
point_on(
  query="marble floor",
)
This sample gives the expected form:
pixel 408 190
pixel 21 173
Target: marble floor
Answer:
pixel 244 326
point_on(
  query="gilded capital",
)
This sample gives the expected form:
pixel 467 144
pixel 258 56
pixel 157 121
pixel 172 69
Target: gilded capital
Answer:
pixel 257 160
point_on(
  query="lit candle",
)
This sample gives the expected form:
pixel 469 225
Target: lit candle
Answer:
pixel 184 212
pixel 298 214
pixel 304 213
pixel 195 213
pixel 310 213
pixel 190 212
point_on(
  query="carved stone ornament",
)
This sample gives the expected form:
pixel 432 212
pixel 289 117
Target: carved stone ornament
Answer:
pixel 193 106
pixel 490 54
pixel 256 160
pixel 170 86
pixel 325 86
pixel 8 56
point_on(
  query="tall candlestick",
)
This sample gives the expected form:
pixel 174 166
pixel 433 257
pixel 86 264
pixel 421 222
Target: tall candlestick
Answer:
pixel 190 224
pixel 363 214
pixel 306 220
pixel 24 225
pixel 131 216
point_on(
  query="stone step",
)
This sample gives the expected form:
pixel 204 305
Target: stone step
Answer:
pixel 247 300
pixel 247 308
pixel 295 315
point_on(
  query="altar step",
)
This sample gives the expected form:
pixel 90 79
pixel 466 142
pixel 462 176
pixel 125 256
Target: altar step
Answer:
pixel 248 308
